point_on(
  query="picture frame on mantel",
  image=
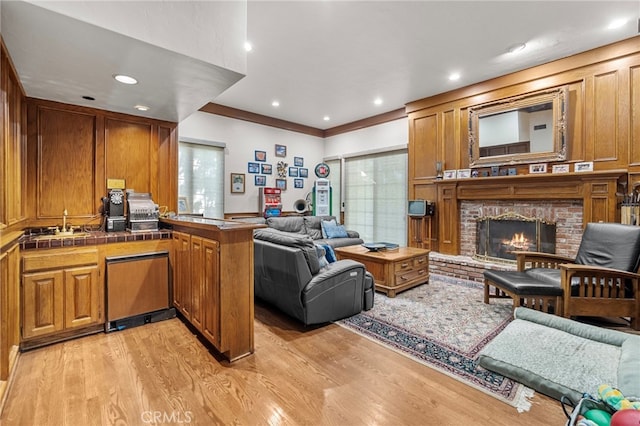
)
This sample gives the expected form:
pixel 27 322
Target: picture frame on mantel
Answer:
pixel 450 174
pixel 538 168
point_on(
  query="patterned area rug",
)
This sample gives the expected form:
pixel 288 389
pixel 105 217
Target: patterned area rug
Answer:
pixel 444 325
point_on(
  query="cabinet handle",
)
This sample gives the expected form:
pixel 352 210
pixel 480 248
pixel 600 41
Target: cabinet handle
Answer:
pixel 420 260
pixel 402 277
pixel 404 265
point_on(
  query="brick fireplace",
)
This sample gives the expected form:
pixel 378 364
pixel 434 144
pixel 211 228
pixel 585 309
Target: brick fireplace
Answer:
pixel 569 200
pixel 567 215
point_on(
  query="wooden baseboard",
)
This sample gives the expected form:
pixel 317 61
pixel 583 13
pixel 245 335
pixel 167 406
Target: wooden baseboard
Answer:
pixel 60 337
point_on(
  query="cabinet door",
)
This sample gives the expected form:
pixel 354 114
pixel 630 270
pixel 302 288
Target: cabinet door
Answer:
pixel 196 281
pixel 211 292
pixel 182 273
pixel 43 303
pixel 81 297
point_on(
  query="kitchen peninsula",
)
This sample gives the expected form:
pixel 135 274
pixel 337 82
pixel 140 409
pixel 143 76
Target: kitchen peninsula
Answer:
pixel 213 280
pixel 66 278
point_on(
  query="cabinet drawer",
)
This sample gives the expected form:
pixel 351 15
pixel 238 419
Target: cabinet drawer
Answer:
pixel 58 259
pixel 412 275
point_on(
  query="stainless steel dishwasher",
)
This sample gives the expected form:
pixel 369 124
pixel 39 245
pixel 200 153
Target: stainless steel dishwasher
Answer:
pixel 137 290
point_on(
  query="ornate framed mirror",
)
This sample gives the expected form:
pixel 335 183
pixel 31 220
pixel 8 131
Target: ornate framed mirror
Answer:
pixel 521 129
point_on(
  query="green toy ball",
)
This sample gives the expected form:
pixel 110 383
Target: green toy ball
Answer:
pixel 599 417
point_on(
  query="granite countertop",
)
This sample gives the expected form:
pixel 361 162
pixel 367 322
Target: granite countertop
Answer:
pixel 220 224
pixel 30 241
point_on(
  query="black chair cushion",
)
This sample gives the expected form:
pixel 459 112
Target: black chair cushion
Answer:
pixel 610 245
pixel 523 284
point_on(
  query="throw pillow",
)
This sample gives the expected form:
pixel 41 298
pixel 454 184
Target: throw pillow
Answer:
pixel 322 260
pixel 332 230
pixel 329 253
pixel 331 222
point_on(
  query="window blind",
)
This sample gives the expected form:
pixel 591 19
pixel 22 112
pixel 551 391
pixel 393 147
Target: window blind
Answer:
pixel 201 178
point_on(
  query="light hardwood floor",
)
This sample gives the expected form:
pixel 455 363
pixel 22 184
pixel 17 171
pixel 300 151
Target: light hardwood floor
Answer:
pixel 162 374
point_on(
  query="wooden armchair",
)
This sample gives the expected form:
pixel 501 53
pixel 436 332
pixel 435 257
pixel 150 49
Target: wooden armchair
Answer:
pixel 601 281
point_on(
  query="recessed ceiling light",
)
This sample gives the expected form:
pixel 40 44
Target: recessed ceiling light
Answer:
pixel 454 76
pixel 377 101
pixel 617 23
pixel 125 79
pixel 326 118
pixel 247 46
pixel 275 104
pixel 141 107
pixel 516 47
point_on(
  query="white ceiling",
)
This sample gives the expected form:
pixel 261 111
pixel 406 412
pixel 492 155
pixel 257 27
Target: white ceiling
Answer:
pixel 320 58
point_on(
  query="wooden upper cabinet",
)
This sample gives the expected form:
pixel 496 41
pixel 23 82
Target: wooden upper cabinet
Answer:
pixel 605 122
pixel 66 157
pixel 12 144
pixel 131 154
pixel 634 139
pixel 73 151
pixel 423 145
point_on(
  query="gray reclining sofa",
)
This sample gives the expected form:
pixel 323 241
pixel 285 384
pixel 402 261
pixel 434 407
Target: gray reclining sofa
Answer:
pixel 288 274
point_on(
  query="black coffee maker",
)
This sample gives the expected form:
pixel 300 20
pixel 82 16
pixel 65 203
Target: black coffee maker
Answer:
pixel 113 206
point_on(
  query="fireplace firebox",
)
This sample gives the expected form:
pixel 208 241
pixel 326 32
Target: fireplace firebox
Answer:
pixel 497 237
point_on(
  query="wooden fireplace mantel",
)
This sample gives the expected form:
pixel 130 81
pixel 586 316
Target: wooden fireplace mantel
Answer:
pixel 597 190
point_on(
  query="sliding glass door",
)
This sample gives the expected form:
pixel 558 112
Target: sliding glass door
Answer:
pixel 375 197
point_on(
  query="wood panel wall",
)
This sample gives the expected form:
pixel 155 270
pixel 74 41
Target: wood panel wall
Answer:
pixel 603 123
pixel 12 144
pixel 73 150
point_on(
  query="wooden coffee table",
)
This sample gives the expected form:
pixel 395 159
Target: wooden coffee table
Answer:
pixel 393 270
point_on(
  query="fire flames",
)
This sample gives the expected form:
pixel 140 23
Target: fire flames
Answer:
pixel 518 241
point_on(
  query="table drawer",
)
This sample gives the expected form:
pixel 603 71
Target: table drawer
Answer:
pixel 421 261
pixel 404 265
pixel 411 275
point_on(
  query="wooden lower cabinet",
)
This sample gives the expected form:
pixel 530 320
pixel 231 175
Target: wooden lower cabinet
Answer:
pixel 182 274
pixel 196 290
pixel 9 310
pixel 210 286
pixel 60 292
pixel 213 288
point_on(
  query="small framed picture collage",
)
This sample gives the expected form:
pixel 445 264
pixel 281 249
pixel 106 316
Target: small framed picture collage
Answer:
pixel 262 169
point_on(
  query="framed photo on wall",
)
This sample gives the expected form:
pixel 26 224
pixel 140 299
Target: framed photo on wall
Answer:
pixel 303 172
pixel 260 155
pixel 281 151
pixel 298 183
pixel 293 171
pixel 237 183
pixel 265 169
pixel 298 161
pixel 260 180
pixel 253 167
pixel 281 184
